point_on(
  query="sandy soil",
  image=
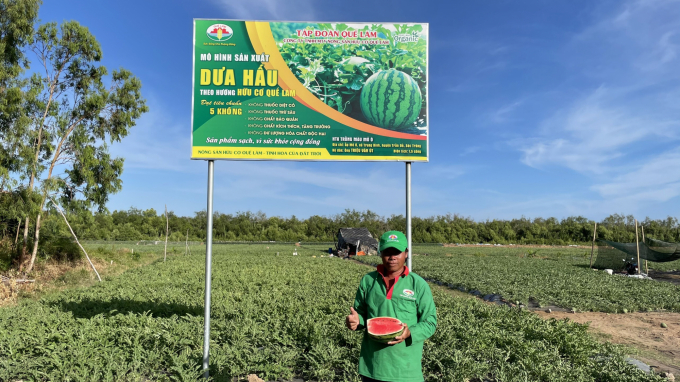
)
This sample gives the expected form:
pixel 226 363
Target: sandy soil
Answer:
pixel 659 347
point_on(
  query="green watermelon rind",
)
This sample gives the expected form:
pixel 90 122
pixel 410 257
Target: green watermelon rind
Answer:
pixel 384 338
pixel 391 99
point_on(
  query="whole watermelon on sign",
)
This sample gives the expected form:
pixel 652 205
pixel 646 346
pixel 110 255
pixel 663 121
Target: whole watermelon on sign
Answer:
pixel 391 99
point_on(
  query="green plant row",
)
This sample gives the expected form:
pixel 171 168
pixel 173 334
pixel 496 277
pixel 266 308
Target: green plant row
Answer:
pixel 550 276
pixel 278 317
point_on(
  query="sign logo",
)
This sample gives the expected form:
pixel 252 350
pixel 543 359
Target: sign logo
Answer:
pixel 219 32
pixel 393 237
pixel 413 37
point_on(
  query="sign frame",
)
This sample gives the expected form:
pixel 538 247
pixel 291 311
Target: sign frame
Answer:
pixel 334 158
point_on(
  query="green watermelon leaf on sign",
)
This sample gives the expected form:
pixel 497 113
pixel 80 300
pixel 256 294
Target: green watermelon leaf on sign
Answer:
pixel 391 99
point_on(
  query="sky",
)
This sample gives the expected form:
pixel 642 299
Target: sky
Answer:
pixel 537 109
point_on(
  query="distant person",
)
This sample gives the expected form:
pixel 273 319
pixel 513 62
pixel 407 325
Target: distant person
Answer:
pixel 393 291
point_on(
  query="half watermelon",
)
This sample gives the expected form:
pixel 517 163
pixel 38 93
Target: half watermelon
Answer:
pixel 384 329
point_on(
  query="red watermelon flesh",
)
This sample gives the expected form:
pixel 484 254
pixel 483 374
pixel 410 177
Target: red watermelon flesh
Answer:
pixel 384 329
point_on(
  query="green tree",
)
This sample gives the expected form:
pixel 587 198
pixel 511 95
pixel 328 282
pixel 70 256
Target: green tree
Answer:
pixel 80 115
pixel 17 18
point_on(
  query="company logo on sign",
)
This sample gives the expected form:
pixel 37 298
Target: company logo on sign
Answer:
pixel 219 32
pixel 393 237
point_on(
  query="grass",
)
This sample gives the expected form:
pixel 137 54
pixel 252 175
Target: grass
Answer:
pixel 540 276
pixel 277 317
pixel 110 260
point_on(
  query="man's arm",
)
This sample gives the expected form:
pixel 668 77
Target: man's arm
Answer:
pixel 427 315
pixel 360 304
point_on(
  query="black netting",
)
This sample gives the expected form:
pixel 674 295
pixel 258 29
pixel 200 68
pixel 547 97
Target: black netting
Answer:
pixel 613 255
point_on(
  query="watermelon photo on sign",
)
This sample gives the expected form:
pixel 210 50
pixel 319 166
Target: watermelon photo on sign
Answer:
pixel 391 99
pixel 378 77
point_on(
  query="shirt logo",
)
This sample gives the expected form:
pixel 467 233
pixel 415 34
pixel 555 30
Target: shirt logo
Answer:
pixel 408 294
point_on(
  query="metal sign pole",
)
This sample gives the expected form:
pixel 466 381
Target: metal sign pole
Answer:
pixel 208 271
pixel 408 215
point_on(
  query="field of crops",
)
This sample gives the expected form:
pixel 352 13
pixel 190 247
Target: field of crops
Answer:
pixel 278 317
pixel 541 277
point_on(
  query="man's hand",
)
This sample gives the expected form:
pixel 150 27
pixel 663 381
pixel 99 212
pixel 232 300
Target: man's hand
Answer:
pixel 352 320
pixel 406 334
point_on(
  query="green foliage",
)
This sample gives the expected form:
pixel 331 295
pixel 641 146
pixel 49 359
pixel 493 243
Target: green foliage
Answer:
pixel 277 317
pixel 16 30
pixel 558 277
pixel 16 33
pixel 137 224
pixel 74 277
pixel 61 249
pixel 83 113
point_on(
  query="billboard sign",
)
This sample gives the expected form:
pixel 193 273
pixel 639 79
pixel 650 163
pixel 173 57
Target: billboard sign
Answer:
pixel 309 91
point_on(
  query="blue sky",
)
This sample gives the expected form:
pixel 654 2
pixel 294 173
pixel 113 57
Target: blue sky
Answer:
pixel 537 109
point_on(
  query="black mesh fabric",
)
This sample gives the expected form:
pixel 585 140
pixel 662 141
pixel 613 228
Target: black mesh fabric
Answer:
pixel 613 255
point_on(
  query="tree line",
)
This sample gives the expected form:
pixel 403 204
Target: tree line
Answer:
pixel 136 224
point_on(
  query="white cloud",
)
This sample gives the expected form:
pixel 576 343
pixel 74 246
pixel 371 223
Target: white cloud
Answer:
pixel 378 187
pixel 641 35
pixel 157 142
pixel 592 133
pixel 502 114
pixel 629 118
pixel 630 58
pixel 656 180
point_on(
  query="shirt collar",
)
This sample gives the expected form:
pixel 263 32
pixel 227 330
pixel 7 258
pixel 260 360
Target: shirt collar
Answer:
pixel 404 273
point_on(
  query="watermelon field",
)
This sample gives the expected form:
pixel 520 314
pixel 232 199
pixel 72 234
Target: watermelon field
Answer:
pixel 542 277
pixel 280 317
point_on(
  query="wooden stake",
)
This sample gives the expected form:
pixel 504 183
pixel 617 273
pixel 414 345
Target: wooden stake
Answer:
pixel 76 237
pixel 165 251
pixel 643 240
pixel 592 247
pixel 186 244
pixel 16 239
pixel 637 244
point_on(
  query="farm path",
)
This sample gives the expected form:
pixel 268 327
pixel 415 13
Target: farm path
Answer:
pixel 670 276
pixel 658 346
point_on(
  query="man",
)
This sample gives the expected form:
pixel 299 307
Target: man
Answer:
pixel 394 291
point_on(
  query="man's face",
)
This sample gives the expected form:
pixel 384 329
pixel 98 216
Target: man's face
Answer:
pixel 393 259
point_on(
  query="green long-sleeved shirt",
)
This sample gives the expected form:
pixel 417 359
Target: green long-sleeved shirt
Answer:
pixel 411 302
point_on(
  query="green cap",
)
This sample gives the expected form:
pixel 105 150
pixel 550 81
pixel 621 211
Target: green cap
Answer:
pixel 393 239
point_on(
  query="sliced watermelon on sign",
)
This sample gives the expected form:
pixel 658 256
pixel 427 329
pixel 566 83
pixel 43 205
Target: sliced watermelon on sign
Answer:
pixel 384 329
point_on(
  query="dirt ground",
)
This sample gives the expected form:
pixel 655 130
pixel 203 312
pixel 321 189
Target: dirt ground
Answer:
pixel 671 277
pixel 657 346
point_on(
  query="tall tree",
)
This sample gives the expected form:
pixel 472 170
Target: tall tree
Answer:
pixel 82 110
pixel 17 18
